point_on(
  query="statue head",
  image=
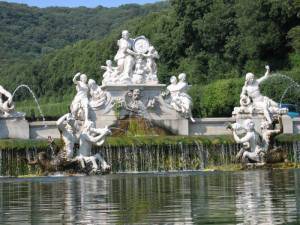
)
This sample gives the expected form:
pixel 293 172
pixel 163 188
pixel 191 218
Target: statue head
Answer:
pixel 125 34
pixel 92 83
pixel 108 62
pixel 136 94
pixel 182 77
pixel 83 78
pixel 249 125
pixel 250 78
pixel 173 80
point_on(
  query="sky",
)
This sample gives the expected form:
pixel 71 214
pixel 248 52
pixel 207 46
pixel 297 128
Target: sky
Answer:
pixel 76 3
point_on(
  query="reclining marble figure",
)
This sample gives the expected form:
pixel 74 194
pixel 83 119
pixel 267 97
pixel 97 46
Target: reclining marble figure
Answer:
pixel 252 100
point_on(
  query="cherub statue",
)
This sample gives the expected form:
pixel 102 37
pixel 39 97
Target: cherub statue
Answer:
pixel 269 131
pixel 89 136
pixel 139 72
pixel 151 65
pixel 80 102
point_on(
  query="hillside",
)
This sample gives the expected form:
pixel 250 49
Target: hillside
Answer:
pixel 214 42
pixel 29 32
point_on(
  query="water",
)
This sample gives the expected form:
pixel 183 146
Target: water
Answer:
pixel 249 197
pixel 292 84
pixel 146 157
pixel 34 97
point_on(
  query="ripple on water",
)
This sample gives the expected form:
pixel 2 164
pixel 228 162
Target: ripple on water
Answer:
pixel 250 197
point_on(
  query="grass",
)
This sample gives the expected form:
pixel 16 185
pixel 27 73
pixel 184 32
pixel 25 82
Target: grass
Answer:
pixel 50 106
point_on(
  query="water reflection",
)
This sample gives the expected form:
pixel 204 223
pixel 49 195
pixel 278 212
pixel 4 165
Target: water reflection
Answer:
pixel 251 197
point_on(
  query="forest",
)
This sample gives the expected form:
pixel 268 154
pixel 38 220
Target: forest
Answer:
pixel 216 42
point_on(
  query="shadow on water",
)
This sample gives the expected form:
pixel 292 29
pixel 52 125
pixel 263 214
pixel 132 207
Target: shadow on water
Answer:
pixel 250 197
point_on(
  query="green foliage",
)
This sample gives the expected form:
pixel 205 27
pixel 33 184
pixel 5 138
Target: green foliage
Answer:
pixel 28 32
pixel 216 99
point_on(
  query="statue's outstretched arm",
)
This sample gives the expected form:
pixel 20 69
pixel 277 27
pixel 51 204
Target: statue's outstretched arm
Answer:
pixel 95 139
pixel 61 120
pixel 244 139
pixel 267 73
pixel 75 78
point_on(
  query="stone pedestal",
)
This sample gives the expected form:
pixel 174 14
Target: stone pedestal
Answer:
pixel 150 103
pixel 257 118
pixel 14 128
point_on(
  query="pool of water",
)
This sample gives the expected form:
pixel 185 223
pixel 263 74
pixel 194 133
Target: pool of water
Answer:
pixel 248 197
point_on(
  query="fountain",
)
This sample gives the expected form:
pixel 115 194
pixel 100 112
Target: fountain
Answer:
pixel 131 88
pixel 34 97
pixel 129 92
pixel 131 102
pixel 258 121
pixel 12 123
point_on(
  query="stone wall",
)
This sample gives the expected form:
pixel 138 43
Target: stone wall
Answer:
pixel 204 126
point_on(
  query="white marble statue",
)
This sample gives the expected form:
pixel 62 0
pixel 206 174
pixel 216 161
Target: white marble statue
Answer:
pixel 125 57
pixel 88 137
pixel 139 73
pixel 111 73
pixel 264 112
pixel 79 105
pixel 251 141
pixel 6 104
pixel 98 97
pixel 180 100
pixel 67 127
pixel 258 102
pixel 268 131
pixel 151 56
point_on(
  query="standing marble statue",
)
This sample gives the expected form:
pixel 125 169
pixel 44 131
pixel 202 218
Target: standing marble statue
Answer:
pixel 79 105
pixel 125 57
pixel 6 104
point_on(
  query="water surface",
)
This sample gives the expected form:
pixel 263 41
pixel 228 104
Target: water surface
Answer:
pixel 249 197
